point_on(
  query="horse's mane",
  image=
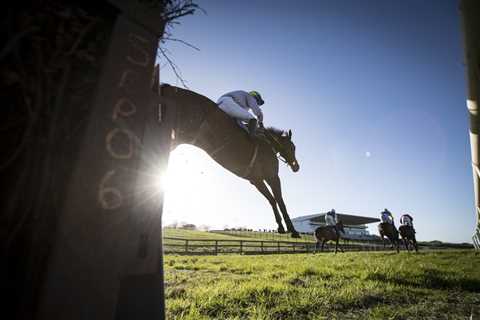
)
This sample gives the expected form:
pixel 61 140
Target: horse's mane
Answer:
pixel 185 98
pixel 275 131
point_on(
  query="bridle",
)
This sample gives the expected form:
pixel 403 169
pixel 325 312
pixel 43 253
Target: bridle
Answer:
pixel 277 147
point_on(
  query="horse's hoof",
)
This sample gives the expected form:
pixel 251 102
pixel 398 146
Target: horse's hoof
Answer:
pixel 295 235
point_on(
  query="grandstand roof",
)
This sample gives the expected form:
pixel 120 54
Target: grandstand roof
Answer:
pixel 347 219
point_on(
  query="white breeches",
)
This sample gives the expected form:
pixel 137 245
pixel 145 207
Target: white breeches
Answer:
pixel 230 107
pixel 329 221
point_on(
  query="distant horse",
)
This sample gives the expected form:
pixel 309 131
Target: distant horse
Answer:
pixel 325 233
pixel 199 122
pixel 388 230
pixel 408 236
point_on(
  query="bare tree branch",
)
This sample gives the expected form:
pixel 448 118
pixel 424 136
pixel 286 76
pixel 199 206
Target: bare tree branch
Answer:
pixel 181 41
pixel 174 67
pixel 175 9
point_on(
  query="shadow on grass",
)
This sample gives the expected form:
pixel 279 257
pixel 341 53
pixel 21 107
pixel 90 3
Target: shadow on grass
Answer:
pixel 431 279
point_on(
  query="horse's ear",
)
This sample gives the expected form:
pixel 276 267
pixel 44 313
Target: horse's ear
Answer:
pixel 290 134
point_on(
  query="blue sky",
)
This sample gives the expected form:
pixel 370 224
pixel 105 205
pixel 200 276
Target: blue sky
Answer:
pixel 374 92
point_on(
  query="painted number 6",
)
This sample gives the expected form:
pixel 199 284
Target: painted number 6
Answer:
pixel 109 198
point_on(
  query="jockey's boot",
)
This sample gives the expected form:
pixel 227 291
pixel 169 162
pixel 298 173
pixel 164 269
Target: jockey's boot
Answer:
pixel 252 128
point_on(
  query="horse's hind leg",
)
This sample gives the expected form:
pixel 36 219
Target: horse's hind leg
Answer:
pixel 323 243
pixel 274 184
pixel 383 240
pixel 260 185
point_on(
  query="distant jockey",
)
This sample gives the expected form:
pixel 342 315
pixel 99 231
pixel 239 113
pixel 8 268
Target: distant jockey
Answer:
pixel 406 220
pixel 331 218
pixel 387 217
pixel 237 104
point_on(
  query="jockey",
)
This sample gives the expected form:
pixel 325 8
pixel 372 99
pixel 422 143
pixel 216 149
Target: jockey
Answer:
pixel 406 220
pixel 387 217
pixel 331 218
pixel 237 104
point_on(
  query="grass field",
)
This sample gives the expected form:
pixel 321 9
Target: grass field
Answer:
pixel 194 234
pixel 231 235
pixel 201 242
pixel 373 285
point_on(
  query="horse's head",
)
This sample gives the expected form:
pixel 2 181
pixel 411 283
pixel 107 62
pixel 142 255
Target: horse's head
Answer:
pixel 286 148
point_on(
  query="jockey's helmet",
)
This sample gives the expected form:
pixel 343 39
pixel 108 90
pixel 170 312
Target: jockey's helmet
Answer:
pixel 257 97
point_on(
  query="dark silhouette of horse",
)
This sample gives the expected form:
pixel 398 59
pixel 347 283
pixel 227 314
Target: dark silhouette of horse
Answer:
pixel 325 233
pixel 388 230
pixel 408 236
pixel 198 121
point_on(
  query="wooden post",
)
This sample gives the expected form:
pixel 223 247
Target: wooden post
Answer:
pixel 186 246
pixel 278 246
pixel 261 245
pixel 216 247
pixel 107 259
pixel 241 246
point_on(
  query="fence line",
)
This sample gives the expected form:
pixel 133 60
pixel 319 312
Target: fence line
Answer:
pixel 225 246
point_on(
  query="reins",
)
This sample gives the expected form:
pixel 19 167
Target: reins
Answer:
pixel 278 146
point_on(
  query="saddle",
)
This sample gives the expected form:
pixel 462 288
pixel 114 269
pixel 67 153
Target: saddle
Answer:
pixel 406 228
pixel 332 229
pixel 388 226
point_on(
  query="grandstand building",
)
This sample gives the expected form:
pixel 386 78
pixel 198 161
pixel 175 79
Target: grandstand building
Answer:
pixel 355 226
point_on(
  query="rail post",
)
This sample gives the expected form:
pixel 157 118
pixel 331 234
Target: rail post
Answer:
pixel 216 247
pixel 261 245
pixel 186 246
pixel 278 246
pixel 241 246
pixel 108 234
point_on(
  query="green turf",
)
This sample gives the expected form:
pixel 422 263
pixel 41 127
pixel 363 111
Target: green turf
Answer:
pixel 274 236
pixel 226 235
pixel 200 235
pixel 373 285
pixel 200 242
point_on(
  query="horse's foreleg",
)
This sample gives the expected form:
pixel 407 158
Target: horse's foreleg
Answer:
pixel 405 241
pixel 260 185
pixel 275 185
pixel 323 243
pixel 336 246
pixel 415 245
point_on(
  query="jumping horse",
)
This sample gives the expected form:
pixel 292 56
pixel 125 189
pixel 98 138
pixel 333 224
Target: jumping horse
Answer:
pixel 198 121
